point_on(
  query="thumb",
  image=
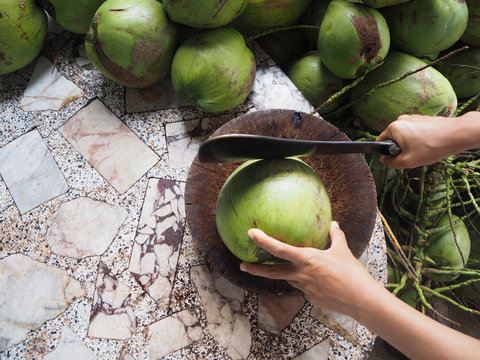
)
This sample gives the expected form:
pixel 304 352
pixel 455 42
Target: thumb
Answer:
pixel 337 236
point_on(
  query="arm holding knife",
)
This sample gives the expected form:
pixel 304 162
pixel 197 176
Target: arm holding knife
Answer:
pixel 336 280
pixel 428 139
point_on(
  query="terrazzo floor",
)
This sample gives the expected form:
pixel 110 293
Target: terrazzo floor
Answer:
pixel 96 259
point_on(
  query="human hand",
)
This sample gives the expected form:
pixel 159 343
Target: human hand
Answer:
pixel 331 278
pixel 423 139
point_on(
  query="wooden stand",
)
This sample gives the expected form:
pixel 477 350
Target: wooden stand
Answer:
pixel 347 179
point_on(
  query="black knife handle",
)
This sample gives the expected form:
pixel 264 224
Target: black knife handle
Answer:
pixel 393 149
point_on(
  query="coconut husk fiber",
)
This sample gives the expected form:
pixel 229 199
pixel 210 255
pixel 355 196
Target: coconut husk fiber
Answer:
pixel 347 179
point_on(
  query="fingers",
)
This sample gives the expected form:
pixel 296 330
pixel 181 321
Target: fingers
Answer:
pixel 274 246
pixel 275 272
pixel 385 135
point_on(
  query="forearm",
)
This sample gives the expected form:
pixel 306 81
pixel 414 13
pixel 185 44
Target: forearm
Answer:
pixel 467 134
pixel 411 332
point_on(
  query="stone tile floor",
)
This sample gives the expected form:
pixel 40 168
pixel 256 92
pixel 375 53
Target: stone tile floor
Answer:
pixel 96 260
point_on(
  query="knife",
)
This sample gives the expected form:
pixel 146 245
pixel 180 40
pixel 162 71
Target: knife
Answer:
pixel 242 147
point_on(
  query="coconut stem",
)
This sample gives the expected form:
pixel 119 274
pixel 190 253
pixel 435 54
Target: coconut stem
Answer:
pixel 449 211
pixel 397 79
pixel 456 286
pixel 466 104
pixel 398 249
pixel 450 300
pixel 338 94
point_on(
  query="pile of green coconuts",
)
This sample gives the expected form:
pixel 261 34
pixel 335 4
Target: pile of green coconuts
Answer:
pixel 349 58
pixel 201 45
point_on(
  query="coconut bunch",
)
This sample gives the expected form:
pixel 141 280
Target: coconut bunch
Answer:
pixel 373 43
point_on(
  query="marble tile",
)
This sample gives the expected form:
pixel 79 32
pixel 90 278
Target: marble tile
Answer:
pixel 70 347
pixel 159 238
pixel 184 138
pixel 84 227
pixel 112 315
pixel 275 313
pixel 273 89
pixel 30 172
pixel 109 146
pixel 317 352
pixel 173 333
pixel 160 95
pixel 343 325
pixel 222 303
pixel 48 89
pixel 31 293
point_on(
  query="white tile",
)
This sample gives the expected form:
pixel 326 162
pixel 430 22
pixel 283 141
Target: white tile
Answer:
pixel 173 333
pixel 31 293
pixel 30 172
pixel 84 227
pixel 48 89
pixel 109 145
pixel 70 347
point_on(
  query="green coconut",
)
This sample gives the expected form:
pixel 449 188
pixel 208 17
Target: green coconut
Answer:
pixel 23 26
pixel 426 92
pixel 383 3
pixel 204 14
pixel 463 72
pixel 448 249
pixel 315 81
pixel 260 15
pixel 352 39
pixel 131 43
pixel 283 197
pixel 471 35
pixel 73 15
pixel 214 69
pixel 421 27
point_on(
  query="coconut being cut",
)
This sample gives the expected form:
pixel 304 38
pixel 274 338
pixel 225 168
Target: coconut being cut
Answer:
pixel 283 197
pixel 348 186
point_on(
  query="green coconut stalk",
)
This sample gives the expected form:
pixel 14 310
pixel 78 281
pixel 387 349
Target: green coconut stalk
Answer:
pixel 463 72
pixel 383 3
pixel 260 15
pixel 471 35
pixel 73 15
pixel 426 92
pixel 421 27
pixel 214 69
pixel 23 26
pixel 131 43
pixel 449 246
pixel 353 39
pixel 204 14
pixel 315 81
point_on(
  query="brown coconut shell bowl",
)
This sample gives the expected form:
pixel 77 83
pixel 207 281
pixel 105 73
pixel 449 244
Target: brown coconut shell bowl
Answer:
pixel 347 179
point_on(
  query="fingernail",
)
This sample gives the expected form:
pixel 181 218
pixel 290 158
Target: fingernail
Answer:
pixel 335 225
pixel 250 234
pixel 243 267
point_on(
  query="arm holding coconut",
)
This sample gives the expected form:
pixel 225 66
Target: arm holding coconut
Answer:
pixel 428 139
pixel 336 280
